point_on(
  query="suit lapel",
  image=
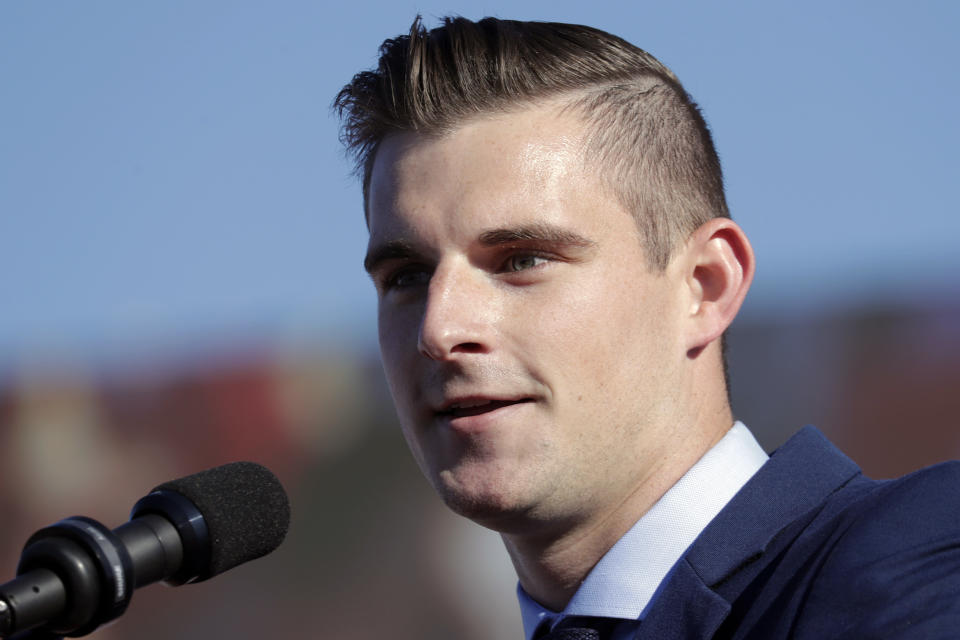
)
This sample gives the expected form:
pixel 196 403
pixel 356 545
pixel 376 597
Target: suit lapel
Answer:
pixel 770 510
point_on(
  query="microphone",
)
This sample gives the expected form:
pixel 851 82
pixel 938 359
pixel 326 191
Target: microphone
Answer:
pixel 76 574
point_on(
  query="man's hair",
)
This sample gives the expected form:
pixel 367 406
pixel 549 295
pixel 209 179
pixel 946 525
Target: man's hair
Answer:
pixel 644 135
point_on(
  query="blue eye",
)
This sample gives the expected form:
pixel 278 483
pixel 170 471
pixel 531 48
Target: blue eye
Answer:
pixel 523 261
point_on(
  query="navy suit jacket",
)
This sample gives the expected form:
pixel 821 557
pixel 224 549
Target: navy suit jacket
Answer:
pixel 812 549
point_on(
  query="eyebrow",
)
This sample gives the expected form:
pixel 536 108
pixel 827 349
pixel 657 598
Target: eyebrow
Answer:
pixel 537 233
pixel 393 250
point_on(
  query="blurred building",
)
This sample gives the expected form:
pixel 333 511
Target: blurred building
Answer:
pixel 372 551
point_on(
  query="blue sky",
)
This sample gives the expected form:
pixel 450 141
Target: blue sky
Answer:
pixel 170 172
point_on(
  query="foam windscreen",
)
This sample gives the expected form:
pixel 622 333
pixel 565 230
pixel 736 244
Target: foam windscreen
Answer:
pixel 245 509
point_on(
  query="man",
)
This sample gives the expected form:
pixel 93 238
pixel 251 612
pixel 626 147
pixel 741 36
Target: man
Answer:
pixel 556 267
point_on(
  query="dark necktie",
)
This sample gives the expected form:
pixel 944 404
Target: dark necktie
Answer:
pixel 577 628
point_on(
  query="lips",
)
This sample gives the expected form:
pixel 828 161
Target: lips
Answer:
pixel 477 407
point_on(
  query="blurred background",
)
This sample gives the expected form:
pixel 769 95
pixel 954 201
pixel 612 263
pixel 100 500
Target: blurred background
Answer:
pixel 181 282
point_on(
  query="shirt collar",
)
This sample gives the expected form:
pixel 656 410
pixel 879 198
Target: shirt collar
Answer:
pixel 625 580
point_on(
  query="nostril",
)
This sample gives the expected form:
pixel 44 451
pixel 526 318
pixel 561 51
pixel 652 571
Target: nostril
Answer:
pixel 468 347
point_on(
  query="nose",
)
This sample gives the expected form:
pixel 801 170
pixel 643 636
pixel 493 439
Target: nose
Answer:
pixel 459 314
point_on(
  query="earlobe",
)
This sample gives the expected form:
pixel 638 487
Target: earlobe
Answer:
pixel 720 268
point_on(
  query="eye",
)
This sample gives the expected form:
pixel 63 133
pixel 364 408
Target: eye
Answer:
pixel 523 261
pixel 406 278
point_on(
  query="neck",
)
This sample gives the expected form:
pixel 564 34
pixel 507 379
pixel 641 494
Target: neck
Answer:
pixel 552 562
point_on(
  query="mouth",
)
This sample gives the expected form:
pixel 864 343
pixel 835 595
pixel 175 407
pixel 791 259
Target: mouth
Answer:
pixel 476 406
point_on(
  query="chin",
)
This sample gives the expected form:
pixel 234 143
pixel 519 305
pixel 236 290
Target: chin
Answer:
pixel 489 504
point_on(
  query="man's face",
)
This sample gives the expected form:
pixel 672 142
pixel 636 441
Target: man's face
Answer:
pixel 532 355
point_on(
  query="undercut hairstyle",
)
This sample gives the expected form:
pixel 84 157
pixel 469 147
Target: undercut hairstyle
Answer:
pixel 644 136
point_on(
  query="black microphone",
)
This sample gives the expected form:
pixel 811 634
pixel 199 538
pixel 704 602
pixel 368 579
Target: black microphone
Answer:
pixel 76 574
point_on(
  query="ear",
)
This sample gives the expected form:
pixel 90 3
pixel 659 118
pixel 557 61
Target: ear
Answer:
pixel 719 268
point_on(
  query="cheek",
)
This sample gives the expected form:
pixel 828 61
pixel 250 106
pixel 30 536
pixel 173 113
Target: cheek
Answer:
pixel 595 320
pixel 599 341
pixel 398 327
pixel 398 344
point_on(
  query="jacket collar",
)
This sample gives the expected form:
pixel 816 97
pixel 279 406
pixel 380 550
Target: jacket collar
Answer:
pixel 697 596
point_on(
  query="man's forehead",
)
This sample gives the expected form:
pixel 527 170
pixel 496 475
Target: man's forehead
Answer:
pixel 498 156
pixel 539 135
